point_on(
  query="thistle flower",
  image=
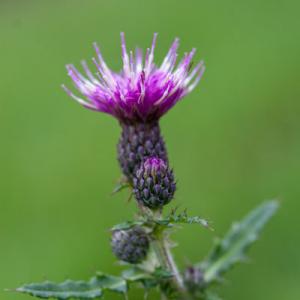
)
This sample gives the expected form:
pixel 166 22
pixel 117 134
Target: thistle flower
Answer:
pixel 142 91
pixel 130 245
pixel 154 184
pixel 137 96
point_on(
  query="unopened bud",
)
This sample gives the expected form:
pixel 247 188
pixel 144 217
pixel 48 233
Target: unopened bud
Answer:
pixel 154 184
pixel 130 245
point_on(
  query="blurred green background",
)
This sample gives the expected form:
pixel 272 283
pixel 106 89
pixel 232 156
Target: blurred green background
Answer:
pixel 234 142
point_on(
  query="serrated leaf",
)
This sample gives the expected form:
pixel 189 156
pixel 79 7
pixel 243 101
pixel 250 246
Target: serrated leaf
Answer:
pixel 182 218
pixel 168 221
pixel 232 248
pixel 149 280
pixel 70 289
pixel 112 283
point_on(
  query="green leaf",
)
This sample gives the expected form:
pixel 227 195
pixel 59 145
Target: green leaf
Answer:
pixel 128 224
pixel 161 274
pixel 164 222
pixel 112 283
pixel 149 280
pixel 96 286
pixel 92 289
pixel 232 248
pixel 181 218
pixel 136 275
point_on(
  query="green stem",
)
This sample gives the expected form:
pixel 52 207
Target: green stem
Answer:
pixel 171 263
pixel 164 256
pixel 166 260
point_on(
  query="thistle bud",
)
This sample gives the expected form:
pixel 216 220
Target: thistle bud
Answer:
pixel 130 245
pixel 193 278
pixel 154 184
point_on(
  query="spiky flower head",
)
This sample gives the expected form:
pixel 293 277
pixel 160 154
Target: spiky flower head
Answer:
pixel 154 184
pixel 142 91
pixel 130 245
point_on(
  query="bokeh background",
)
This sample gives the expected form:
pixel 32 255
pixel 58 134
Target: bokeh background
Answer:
pixel 234 142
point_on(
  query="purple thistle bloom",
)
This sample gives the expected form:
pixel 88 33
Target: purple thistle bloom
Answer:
pixel 142 91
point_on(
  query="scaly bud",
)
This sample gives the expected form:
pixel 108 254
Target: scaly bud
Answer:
pixel 154 184
pixel 130 245
pixel 137 143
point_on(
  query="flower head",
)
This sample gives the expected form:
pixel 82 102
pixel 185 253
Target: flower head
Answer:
pixel 142 91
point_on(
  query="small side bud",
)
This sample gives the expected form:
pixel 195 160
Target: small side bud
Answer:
pixel 193 279
pixel 130 245
pixel 154 184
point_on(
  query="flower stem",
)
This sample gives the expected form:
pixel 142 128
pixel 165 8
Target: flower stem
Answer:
pixel 171 263
pixel 164 257
pixel 166 260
